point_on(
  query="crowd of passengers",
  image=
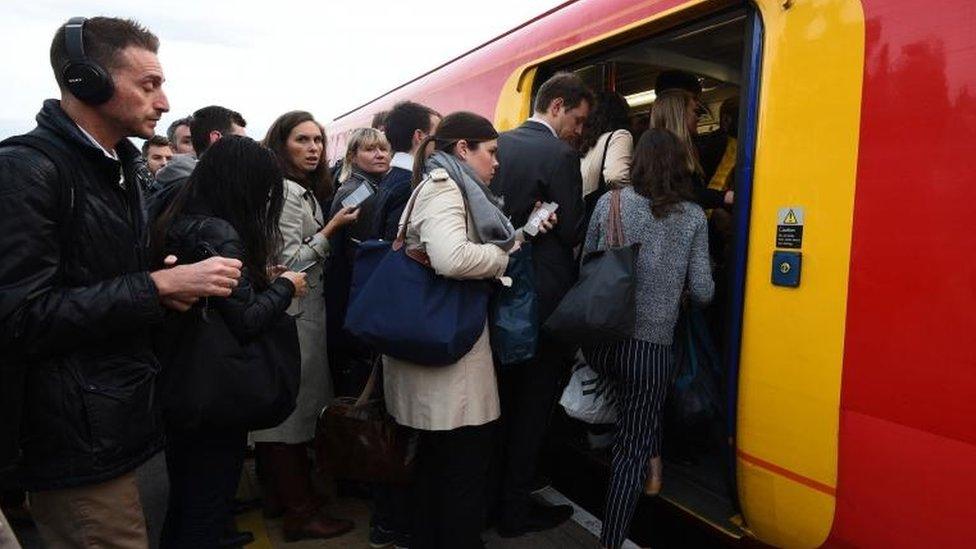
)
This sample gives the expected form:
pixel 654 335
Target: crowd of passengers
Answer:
pixel 104 246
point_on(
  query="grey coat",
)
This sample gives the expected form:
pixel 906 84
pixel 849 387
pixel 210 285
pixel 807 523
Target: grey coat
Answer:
pixel 673 257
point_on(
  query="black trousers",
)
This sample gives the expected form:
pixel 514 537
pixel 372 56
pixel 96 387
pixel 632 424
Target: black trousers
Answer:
pixel 528 393
pixel 204 470
pixel 451 474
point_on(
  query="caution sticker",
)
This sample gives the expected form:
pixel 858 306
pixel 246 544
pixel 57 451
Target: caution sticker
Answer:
pixel 789 227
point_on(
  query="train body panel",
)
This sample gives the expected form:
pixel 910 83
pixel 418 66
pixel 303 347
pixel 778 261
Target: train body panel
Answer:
pixel 907 431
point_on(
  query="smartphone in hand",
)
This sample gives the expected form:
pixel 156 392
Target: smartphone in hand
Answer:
pixel 531 227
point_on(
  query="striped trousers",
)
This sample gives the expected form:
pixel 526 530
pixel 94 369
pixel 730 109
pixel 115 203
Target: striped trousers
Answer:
pixel 641 373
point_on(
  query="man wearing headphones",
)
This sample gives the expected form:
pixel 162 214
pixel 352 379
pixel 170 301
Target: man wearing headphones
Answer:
pixel 79 298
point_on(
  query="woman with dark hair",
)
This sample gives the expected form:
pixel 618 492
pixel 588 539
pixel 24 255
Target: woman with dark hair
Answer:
pixel 229 207
pixel 457 222
pixel 606 147
pixel 299 143
pixel 657 211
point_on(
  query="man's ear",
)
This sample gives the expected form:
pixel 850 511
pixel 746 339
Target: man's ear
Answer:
pixel 555 106
pixel 215 136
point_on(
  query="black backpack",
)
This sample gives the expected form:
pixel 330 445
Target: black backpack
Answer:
pixel 12 369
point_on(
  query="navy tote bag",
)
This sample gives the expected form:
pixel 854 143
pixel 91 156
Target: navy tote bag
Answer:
pixel 402 308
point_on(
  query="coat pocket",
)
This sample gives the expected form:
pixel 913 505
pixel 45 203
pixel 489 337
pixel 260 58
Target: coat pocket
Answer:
pixel 119 400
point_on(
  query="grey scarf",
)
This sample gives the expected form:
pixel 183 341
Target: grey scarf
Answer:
pixel 490 223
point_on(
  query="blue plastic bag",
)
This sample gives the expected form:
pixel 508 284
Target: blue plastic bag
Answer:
pixel 513 314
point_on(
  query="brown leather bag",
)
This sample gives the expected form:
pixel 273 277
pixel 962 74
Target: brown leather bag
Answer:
pixel 356 439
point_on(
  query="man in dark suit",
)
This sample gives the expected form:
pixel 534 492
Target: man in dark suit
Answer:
pixel 536 164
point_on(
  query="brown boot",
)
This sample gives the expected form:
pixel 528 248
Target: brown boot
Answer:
pixel 302 524
pixel 290 470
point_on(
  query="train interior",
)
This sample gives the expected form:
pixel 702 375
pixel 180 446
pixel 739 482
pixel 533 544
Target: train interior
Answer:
pixel 699 474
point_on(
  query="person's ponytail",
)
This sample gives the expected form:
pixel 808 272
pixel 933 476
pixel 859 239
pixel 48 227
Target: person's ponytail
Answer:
pixel 419 162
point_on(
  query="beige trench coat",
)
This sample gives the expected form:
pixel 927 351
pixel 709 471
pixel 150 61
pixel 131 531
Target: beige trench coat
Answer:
pixel 301 218
pixel 436 398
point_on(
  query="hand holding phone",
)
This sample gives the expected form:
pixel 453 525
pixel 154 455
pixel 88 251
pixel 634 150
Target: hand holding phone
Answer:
pixel 542 213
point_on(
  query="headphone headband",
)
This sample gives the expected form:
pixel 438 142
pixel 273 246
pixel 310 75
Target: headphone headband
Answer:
pixel 74 39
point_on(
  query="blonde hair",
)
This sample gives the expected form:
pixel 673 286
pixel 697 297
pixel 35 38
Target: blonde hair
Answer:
pixel 361 138
pixel 670 113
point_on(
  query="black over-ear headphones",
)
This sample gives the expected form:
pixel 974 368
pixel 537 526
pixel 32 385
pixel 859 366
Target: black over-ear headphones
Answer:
pixel 85 79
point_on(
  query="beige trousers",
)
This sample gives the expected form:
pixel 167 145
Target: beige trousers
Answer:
pixel 106 515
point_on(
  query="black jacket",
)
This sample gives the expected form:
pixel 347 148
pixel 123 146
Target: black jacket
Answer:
pixel 77 308
pixel 248 312
pixel 535 165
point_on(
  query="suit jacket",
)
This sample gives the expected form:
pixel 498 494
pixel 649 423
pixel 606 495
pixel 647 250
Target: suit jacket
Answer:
pixel 535 165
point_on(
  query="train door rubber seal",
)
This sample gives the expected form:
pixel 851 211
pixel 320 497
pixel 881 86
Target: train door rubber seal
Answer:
pixel 745 167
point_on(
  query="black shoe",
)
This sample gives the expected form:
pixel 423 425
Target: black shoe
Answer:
pixel 538 518
pixel 232 538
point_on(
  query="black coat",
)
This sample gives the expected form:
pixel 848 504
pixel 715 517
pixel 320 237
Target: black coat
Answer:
pixel 534 165
pixel 249 312
pixel 77 308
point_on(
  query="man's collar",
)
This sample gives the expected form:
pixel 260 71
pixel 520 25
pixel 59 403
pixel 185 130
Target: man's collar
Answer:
pixel 112 155
pixel 402 160
pixel 546 124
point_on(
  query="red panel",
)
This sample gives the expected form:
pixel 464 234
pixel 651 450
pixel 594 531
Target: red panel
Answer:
pixel 907 467
pixel 913 488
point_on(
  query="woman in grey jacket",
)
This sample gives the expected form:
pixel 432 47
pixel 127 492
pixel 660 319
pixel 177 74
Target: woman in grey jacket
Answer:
pixel 299 143
pixel 659 212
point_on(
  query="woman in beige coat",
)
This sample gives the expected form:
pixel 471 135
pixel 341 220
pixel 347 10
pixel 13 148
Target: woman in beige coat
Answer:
pixel 457 222
pixel 299 142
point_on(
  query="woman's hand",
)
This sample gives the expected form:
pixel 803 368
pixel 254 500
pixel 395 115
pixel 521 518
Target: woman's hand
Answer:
pixel 515 247
pixel 342 218
pixel 547 224
pixel 729 198
pixel 298 280
pixel 275 271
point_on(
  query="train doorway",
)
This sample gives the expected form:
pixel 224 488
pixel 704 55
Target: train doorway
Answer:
pixel 723 53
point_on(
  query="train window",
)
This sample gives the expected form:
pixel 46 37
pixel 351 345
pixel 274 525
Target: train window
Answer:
pixel 697 471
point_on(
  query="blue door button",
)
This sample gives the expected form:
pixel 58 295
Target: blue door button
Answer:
pixel 786 269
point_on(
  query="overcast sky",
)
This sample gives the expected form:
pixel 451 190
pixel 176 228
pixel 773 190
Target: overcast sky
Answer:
pixel 260 58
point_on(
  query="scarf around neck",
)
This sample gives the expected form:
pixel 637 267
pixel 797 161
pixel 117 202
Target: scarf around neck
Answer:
pixel 490 223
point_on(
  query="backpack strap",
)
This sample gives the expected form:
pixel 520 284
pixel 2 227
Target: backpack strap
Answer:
pixel 64 161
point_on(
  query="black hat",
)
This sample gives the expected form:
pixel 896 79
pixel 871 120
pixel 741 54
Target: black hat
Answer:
pixel 677 80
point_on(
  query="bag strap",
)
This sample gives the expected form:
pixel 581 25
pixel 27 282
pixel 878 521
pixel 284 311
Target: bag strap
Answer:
pixel 615 229
pixel 402 232
pixel 601 187
pixel 64 161
pixel 370 383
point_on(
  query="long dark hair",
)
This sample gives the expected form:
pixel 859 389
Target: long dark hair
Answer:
pixel 611 113
pixel 240 182
pixel 661 171
pixel 319 180
pixel 472 128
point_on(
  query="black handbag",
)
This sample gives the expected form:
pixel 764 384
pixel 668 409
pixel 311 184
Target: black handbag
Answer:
pixel 600 307
pixel 213 381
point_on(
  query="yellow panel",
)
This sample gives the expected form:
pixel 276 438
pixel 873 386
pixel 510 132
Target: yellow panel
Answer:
pixel 792 341
pixel 515 101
